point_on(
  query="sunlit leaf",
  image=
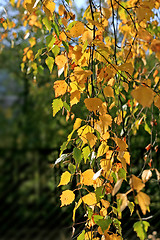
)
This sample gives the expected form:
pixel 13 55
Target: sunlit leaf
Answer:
pixel 50 62
pixel 143 201
pixel 90 199
pixel 65 178
pixel 57 105
pixel 61 60
pixel 60 87
pixel 87 177
pixel 67 197
pixel 136 183
pixel 143 95
pixel 141 228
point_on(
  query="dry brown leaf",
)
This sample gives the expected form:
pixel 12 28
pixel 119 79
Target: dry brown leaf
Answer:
pixel 143 201
pixel 146 175
pixel 136 183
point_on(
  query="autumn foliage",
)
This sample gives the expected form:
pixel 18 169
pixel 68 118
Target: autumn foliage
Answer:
pixel 95 60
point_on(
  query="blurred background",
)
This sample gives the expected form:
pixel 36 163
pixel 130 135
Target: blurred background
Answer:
pixel 30 139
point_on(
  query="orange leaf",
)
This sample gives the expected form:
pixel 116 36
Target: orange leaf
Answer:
pixel 60 87
pixel 75 97
pixel 143 95
pixel 61 60
pixel 93 104
pixel 108 91
pixel 155 45
pixel 77 30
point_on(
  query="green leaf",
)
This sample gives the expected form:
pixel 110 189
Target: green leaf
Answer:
pixel 57 105
pixel 117 225
pixel 131 207
pixel 55 50
pixel 99 193
pixel 81 236
pixel 70 25
pixel 65 44
pixel 97 218
pixel 122 173
pixel 49 62
pixel 77 155
pixel 56 29
pixel 114 177
pixel 40 69
pixel 141 228
pixel 66 106
pixel 86 151
pixel 39 53
pixel 103 223
pixel 63 147
pixel 50 40
pixel 90 212
pixel 147 128
pixel 72 168
pixel 67 1
pixel 51 43
pixel 47 23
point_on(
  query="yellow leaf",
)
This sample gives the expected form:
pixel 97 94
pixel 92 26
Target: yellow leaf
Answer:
pixel 91 139
pixel 143 201
pixel 83 131
pixel 77 30
pixel 127 157
pixel 48 7
pixel 120 143
pixel 67 197
pixel 145 35
pixel 136 183
pixel 146 175
pixel 126 67
pixel 77 123
pixel 106 164
pixel 28 4
pixel 103 148
pixel 61 60
pixel 90 199
pixel 93 104
pixel 65 178
pixel 143 95
pixel 108 91
pixel 75 97
pixel 60 87
pixel 87 35
pixel 87 177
